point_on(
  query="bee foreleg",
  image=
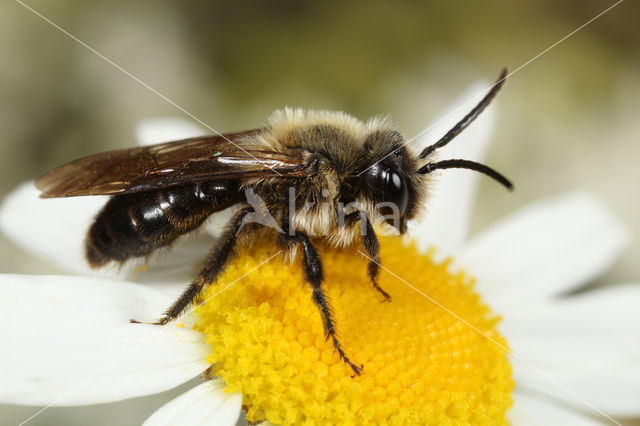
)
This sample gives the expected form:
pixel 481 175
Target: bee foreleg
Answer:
pixel 215 263
pixel 315 276
pixel 372 247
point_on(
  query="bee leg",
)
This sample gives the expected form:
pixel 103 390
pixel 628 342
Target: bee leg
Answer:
pixel 315 276
pixel 372 246
pixel 215 263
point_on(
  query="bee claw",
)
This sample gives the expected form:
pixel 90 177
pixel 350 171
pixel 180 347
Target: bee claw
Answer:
pixel 162 321
pixel 357 370
pixel 207 373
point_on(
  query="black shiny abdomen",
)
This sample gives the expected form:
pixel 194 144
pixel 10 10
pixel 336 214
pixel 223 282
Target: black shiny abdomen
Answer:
pixel 134 225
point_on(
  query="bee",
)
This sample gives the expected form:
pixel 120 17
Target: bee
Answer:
pixel 307 175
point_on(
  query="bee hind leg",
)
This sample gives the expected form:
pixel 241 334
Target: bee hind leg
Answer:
pixel 215 263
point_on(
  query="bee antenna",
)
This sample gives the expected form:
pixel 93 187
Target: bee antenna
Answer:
pixel 468 119
pixel 466 164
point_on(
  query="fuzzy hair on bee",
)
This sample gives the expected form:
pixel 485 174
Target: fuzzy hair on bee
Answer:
pixel 305 176
pixel 340 147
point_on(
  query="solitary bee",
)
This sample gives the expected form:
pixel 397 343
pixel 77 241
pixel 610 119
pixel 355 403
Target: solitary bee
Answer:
pixel 306 175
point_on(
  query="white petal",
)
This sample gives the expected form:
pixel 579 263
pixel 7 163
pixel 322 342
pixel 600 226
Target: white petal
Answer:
pixel 530 411
pixel 545 249
pixel 69 338
pixel 168 267
pixel 65 302
pixel 153 131
pixel 206 404
pixel 589 343
pixel 55 229
pixel 451 199
pixel 90 366
pixel 216 222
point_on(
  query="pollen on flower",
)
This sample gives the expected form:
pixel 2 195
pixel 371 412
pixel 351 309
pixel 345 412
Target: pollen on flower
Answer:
pixel 422 365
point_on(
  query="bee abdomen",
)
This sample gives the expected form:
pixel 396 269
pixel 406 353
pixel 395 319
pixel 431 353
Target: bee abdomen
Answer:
pixel 134 225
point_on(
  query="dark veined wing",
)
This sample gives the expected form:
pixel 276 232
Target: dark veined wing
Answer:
pixel 207 158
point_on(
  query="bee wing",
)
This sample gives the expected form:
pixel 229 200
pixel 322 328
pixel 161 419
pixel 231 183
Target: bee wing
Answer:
pixel 208 158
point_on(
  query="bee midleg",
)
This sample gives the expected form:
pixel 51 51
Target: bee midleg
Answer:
pixel 215 263
pixel 315 276
pixel 372 247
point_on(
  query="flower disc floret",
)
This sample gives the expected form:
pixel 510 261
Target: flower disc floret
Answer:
pixel 422 364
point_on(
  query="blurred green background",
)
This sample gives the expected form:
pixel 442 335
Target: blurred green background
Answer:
pixel 568 120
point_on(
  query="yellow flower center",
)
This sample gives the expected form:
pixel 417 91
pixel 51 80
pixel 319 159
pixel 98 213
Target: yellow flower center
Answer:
pixel 422 364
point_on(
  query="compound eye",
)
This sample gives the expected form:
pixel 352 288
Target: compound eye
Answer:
pixel 395 190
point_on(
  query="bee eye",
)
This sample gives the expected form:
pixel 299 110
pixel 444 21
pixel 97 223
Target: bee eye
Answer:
pixel 395 190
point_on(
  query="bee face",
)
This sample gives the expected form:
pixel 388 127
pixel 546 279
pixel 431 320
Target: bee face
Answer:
pixel 390 179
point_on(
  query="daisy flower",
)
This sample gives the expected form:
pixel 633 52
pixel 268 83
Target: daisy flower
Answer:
pixel 522 353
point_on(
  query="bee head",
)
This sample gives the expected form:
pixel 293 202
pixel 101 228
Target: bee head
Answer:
pixel 391 182
pixel 395 182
